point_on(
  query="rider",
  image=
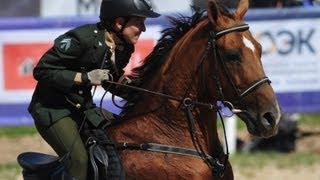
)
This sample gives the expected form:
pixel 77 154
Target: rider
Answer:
pixel 79 59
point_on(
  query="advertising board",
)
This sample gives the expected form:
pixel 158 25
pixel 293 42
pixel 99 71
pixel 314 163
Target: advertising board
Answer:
pixel 291 57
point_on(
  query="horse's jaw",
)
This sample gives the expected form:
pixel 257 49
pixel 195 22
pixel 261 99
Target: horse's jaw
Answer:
pixel 262 123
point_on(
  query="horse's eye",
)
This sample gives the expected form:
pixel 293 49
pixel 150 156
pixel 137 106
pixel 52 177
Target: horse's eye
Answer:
pixel 232 56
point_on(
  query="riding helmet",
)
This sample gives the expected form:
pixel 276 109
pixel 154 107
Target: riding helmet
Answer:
pixel 111 9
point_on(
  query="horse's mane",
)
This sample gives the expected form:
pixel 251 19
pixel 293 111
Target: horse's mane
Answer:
pixel 180 25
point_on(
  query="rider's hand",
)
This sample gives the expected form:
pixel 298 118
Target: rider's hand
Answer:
pixel 96 76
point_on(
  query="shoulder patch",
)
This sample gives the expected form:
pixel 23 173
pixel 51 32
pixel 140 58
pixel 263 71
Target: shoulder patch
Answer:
pixel 65 44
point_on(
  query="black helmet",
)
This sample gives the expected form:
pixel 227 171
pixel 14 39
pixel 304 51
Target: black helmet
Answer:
pixel 111 9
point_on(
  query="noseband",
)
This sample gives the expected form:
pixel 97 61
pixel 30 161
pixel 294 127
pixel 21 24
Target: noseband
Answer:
pixel 212 43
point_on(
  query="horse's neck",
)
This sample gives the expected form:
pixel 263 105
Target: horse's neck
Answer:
pixel 178 78
pixel 175 78
pixel 178 74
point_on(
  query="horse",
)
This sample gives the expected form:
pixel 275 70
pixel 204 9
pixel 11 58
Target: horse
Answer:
pixel 171 130
pixel 168 129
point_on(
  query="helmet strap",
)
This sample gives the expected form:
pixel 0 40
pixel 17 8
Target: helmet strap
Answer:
pixel 119 33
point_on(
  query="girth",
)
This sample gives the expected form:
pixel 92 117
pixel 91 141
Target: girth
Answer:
pixel 214 161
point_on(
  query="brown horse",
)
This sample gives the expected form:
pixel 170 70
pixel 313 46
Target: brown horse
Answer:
pixel 204 59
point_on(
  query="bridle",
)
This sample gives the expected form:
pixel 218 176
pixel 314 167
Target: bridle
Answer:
pixel 189 104
pixel 240 94
pixel 212 44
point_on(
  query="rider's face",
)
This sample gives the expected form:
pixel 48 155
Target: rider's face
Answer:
pixel 133 29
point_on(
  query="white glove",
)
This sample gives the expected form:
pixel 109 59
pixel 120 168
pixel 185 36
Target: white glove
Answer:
pixel 97 75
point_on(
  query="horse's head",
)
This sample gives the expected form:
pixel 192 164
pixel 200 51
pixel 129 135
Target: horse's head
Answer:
pixel 226 59
pixel 239 72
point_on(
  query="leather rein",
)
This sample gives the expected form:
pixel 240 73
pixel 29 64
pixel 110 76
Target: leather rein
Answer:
pixel 189 104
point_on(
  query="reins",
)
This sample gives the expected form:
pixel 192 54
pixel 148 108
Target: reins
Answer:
pixel 179 99
pixel 189 104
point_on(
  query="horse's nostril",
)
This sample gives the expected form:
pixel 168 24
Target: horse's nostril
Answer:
pixel 268 119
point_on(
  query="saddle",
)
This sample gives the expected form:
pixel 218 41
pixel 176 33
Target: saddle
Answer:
pixel 104 162
pixel 39 166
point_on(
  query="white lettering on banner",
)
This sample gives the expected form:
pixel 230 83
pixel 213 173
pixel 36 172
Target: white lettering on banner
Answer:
pixel 26 67
pixel 291 56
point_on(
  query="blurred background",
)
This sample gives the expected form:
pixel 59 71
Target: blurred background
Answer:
pixel 289 31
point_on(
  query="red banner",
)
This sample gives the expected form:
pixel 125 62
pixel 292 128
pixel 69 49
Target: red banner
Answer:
pixel 19 60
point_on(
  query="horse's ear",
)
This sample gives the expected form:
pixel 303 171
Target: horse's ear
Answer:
pixel 213 11
pixel 242 8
